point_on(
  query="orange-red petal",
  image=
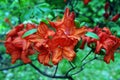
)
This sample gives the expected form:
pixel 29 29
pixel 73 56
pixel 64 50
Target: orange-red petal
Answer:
pixel 57 56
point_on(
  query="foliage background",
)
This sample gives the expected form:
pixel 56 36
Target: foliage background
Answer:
pixel 23 11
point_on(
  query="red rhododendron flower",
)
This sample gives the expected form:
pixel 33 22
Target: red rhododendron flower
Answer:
pixel 67 25
pixel 40 43
pixel 56 46
pixel 106 41
pixel 63 47
pixel 110 45
pixel 59 44
pixel 18 47
pixel 66 37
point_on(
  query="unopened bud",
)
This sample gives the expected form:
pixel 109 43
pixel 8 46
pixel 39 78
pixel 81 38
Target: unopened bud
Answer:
pixel 115 18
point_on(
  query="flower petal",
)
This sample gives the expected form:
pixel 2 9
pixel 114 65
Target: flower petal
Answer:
pixel 68 53
pixel 15 56
pixel 57 56
pixel 44 58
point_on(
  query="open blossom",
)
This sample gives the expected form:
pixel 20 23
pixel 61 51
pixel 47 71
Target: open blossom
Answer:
pixel 55 45
pixel 66 37
pixel 106 41
pixel 112 43
pixel 41 46
pixel 40 43
pixel 63 47
pixel 18 47
pixel 67 25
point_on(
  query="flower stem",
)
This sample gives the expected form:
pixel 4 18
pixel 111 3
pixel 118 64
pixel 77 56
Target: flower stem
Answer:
pixel 86 56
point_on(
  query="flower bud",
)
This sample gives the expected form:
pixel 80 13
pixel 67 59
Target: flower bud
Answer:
pixel 115 18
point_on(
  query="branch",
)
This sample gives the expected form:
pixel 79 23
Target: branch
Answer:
pixel 11 67
pixel 50 76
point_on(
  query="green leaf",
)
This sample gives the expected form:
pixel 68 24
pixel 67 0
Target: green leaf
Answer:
pixel 93 35
pixel 77 23
pixel 35 21
pixel 32 31
pixel 45 21
pixel 82 24
pixel 118 34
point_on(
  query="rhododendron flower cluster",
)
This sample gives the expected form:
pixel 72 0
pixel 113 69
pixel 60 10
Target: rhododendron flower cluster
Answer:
pixel 52 45
pixel 106 41
pixel 57 41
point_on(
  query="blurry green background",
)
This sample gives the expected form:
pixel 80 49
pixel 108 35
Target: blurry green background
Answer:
pixel 34 11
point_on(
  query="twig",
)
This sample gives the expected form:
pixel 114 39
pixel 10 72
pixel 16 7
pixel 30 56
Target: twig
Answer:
pixel 73 67
pixel 89 61
pixel 81 68
pixel 86 56
pixel 70 70
pixel 71 64
pixel 55 70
